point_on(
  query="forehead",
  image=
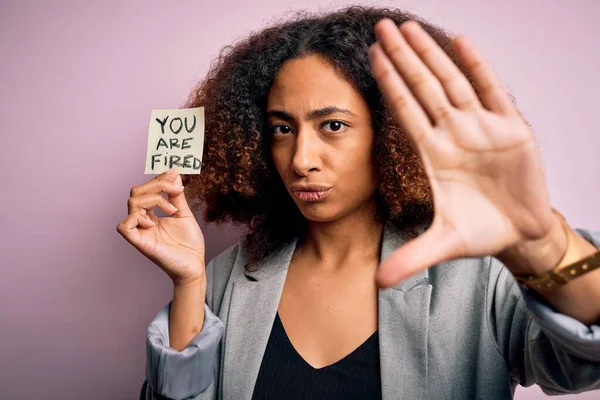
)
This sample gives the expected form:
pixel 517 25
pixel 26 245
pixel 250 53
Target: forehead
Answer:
pixel 309 83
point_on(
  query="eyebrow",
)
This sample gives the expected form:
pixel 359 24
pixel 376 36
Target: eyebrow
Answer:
pixel 320 112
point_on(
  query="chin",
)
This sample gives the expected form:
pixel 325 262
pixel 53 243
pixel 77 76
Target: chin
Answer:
pixel 320 213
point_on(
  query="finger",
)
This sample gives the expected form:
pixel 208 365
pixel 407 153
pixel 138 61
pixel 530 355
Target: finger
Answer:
pixel 178 199
pixel 156 186
pixel 144 221
pixel 421 81
pixel 148 214
pixel 428 249
pixel 487 83
pixel 151 215
pixel 171 183
pixel 397 95
pixel 148 202
pixel 166 173
pixel 128 228
pixel 456 85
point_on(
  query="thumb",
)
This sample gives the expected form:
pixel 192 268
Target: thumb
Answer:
pixel 435 245
pixel 179 200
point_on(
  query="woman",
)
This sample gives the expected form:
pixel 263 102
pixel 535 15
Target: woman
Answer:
pixel 341 141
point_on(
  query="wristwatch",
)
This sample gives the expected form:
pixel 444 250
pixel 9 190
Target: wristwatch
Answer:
pixel 559 276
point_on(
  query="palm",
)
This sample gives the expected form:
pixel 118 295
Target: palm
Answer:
pixel 483 199
pixel 175 241
pixel 480 156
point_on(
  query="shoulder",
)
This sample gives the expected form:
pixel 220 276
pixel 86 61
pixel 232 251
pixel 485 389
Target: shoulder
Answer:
pixel 229 254
pixel 219 272
pixel 473 281
pixel 221 266
pixel 462 272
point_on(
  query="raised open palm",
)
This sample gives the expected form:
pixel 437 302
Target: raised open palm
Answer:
pixel 483 164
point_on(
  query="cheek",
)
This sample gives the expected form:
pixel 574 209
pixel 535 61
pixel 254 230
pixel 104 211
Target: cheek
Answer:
pixel 357 159
pixel 279 157
pixel 357 169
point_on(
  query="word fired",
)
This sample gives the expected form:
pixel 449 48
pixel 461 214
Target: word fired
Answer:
pixel 175 139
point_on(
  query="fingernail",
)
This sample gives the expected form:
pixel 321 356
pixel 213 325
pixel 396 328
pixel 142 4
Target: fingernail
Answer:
pixel 173 207
pixel 178 186
pixel 149 220
pixel 172 170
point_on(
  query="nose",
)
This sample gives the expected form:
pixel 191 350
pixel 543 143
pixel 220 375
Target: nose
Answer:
pixel 306 155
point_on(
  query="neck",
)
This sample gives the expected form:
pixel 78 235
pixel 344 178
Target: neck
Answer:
pixel 346 242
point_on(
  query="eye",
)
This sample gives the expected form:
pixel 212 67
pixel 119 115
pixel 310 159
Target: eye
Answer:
pixel 335 126
pixel 283 129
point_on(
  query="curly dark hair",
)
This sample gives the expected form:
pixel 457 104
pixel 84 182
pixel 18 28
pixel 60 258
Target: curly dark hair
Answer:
pixel 239 182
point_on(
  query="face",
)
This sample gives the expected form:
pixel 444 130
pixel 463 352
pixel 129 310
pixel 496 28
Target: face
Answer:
pixel 321 140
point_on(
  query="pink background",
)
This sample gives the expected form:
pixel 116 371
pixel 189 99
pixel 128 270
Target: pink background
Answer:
pixel 77 83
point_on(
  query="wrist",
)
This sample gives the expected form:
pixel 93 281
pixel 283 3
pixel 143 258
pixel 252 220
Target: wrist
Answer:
pixel 190 282
pixel 537 256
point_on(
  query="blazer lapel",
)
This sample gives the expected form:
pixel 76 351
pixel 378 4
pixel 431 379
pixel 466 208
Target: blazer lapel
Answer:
pixel 254 301
pixel 403 323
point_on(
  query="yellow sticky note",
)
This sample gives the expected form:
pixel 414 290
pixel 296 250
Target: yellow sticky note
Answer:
pixel 175 139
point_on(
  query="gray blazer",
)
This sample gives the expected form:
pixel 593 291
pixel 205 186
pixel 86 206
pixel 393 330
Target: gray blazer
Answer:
pixel 462 329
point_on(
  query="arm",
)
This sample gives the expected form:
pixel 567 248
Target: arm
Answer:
pixel 190 372
pixel 579 298
pixel 186 316
pixel 541 345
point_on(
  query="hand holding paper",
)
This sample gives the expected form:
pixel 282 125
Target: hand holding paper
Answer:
pixel 175 243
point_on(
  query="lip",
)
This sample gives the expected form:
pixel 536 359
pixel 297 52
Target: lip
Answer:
pixel 310 192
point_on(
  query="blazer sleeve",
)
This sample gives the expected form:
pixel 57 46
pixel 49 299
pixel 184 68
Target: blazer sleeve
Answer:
pixel 540 345
pixel 172 374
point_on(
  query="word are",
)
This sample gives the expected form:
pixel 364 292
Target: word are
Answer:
pixel 174 142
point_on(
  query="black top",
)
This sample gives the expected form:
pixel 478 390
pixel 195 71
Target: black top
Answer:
pixel 284 374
